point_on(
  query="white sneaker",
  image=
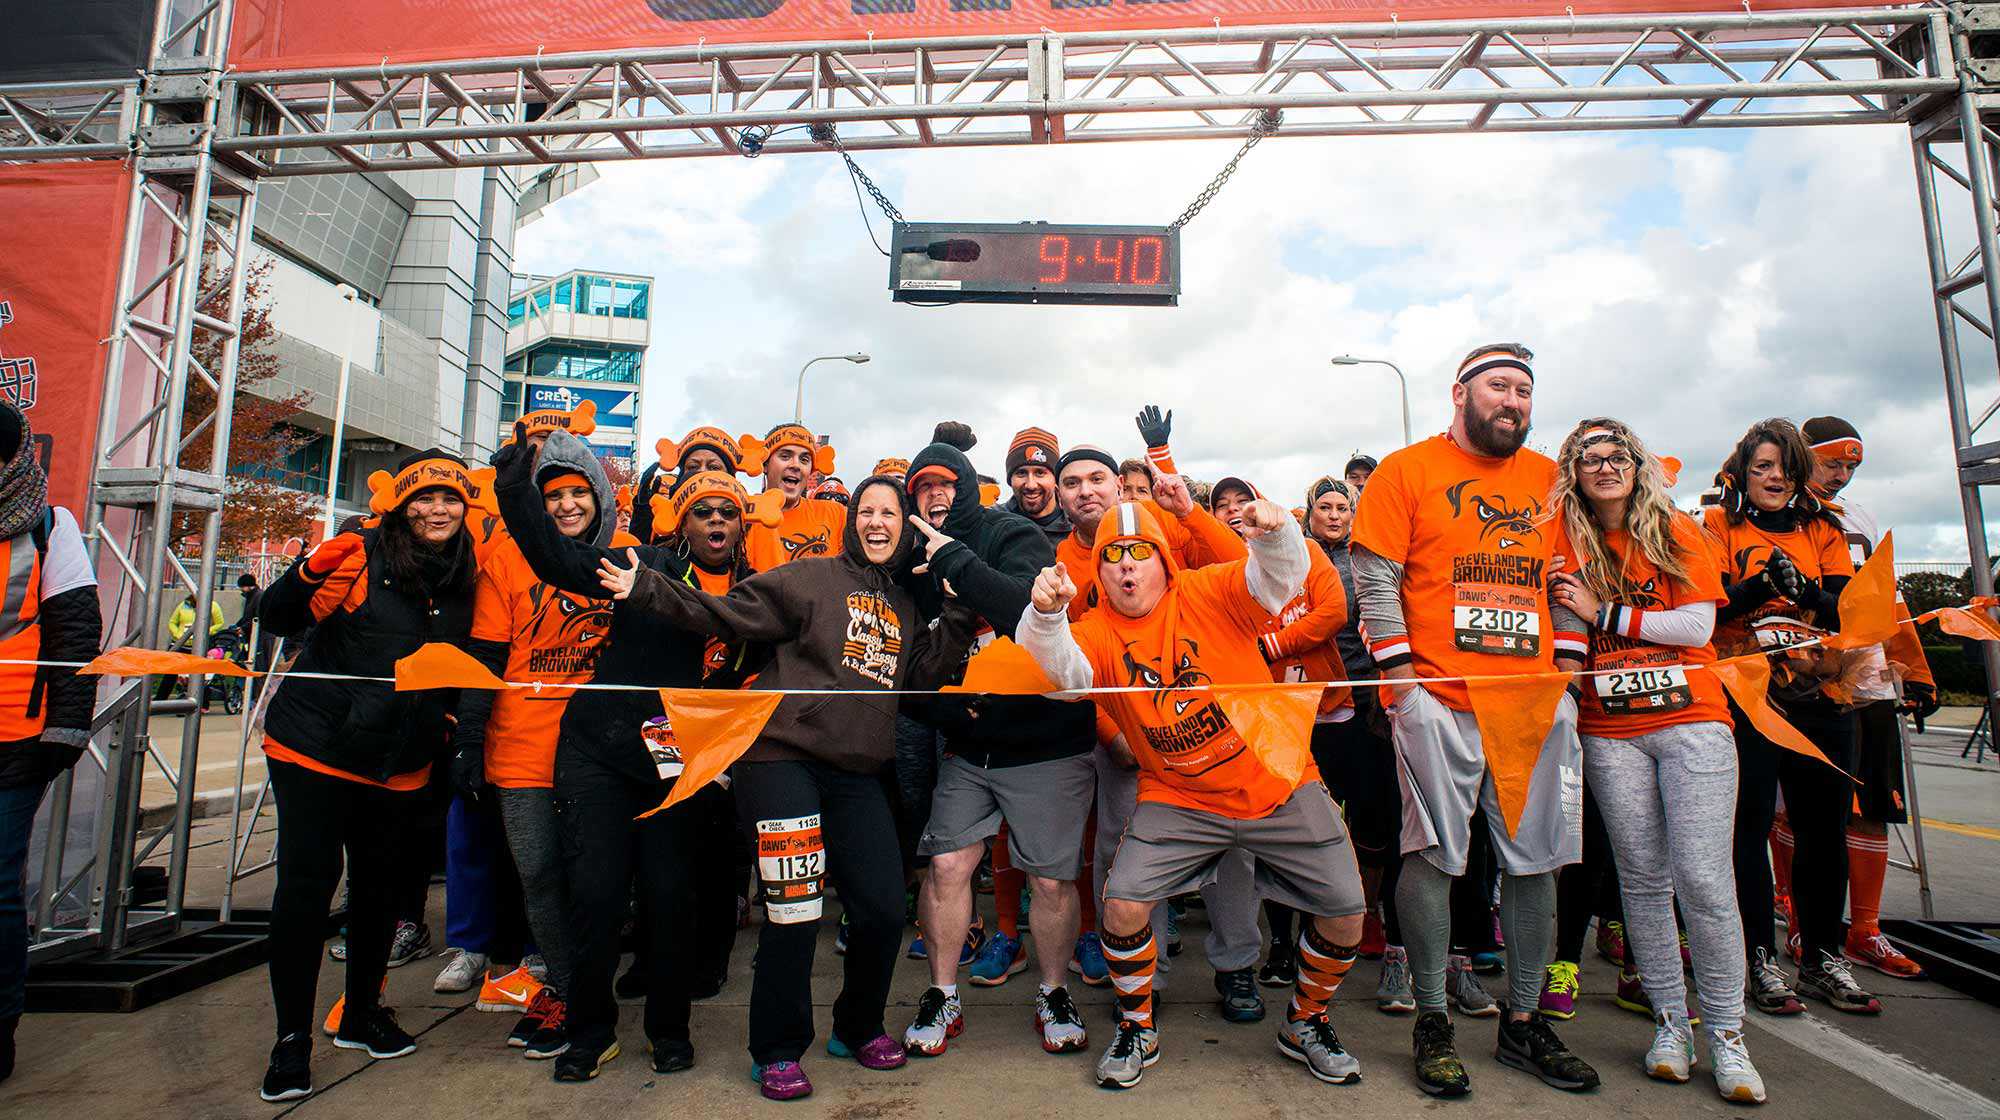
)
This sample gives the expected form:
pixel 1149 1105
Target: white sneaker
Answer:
pixel 1735 1078
pixel 536 966
pixel 461 971
pixel 1672 1055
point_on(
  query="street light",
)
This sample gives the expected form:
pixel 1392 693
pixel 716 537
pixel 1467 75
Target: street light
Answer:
pixel 799 403
pixel 340 407
pixel 1349 360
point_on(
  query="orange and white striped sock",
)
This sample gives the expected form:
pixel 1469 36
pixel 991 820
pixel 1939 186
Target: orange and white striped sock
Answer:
pixel 1132 959
pixel 1867 866
pixel 1322 966
pixel 1781 855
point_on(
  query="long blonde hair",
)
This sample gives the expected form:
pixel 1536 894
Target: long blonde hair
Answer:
pixel 1649 513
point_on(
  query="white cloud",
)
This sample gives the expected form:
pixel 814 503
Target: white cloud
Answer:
pixel 1687 288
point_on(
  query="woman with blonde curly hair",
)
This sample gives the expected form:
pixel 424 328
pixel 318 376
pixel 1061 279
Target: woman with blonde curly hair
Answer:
pixel 1657 748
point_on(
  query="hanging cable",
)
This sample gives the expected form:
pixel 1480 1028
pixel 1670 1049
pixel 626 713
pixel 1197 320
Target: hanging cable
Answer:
pixel 826 134
pixel 1266 124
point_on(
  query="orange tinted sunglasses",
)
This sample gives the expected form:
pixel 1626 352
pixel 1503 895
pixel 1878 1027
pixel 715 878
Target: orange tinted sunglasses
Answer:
pixel 1137 550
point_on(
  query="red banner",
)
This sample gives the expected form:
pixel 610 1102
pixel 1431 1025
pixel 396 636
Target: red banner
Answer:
pixel 59 252
pixel 297 34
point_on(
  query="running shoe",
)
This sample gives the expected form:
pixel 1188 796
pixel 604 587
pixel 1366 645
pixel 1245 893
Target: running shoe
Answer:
pixel 1392 992
pixel 336 950
pixel 782 1081
pixel 1672 1054
pixel 1831 981
pixel 531 1019
pixel 999 961
pixel 671 1055
pixel 461 971
pixel 1795 945
pixel 1088 961
pixel 940 1018
pixel 916 952
pixel 1174 911
pixel 412 942
pixel 1125 1060
pixel 537 967
pixel 1532 1045
pixel 374 1031
pixel 1462 988
pixel 878 1053
pixel 289 1075
pixel 1632 996
pixel 1373 939
pixel 1281 969
pixel 1488 962
pixel 1241 1002
pixel 584 1063
pixel 1439 1070
pixel 333 1017
pixel 1735 1078
pixel 551 1039
pixel 1313 1042
pixel 1877 952
pixel 1559 990
pixel 512 991
pixel 1059 1022
pixel 1768 989
pixel 1611 941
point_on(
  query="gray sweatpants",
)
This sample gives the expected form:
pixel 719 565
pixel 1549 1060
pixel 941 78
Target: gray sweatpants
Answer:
pixel 1669 803
pixel 1234 941
pixel 529 817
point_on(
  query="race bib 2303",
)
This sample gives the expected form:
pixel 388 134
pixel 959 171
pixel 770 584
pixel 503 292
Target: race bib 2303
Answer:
pixel 1643 690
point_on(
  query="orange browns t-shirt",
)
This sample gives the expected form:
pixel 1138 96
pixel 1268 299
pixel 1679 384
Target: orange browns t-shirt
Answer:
pixel 1197 542
pixel 1818 549
pixel 1474 543
pixel 1298 641
pixel 1204 631
pixel 552 636
pixel 1647 689
pixel 813 527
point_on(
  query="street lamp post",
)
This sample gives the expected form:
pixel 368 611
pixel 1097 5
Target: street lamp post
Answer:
pixel 1349 360
pixel 340 408
pixel 799 403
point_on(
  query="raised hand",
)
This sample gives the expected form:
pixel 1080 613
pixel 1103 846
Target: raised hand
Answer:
pixel 1260 517
pixel 934 539
pixel 1053 589
pixel 616 580
pixel 1154 428
pixel 331 554
pixel 1170 493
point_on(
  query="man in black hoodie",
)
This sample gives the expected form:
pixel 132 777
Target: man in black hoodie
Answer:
pixel 1026 760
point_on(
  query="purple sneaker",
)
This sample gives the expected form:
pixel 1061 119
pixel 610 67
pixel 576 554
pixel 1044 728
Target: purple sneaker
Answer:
pixel 784 1081
pixel 881 1053
pixel 1559 990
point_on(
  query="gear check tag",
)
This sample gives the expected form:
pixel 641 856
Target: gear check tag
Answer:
pixel 665 750
pixel 791 860
pixel 1489 618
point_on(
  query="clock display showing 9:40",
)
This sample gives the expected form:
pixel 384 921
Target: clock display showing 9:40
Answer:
pixel 1035 262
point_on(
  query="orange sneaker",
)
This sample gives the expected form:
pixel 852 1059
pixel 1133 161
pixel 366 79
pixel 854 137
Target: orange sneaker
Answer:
pixel 1875 951
pixel 513 991
pixel 332 1025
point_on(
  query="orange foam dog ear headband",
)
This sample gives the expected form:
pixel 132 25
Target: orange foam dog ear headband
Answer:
pixel 767 509
pixel 797 435
pixel 579 421
pixel 389 491
pixel 740 452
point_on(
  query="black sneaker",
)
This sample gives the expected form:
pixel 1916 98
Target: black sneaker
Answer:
pixel 1281 969
pixel 1831 981
pixel 289 1076
pixel 672 1055
pixel 412 941
pixel 1240 1001
pixel 581 1063
pixel 373 1030
pixel 531 1019
pixel 1439 1070
pixel 1532 1045
pixel 551 1039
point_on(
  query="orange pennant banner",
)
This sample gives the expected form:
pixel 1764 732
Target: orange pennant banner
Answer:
pixel 713 728
pixel 438 665
pixel 1748 680
pixel 1968 622
pixel 1515 715
pixel 1276 722
pixel 1003 668
pixel 131 661
pixel 1868 602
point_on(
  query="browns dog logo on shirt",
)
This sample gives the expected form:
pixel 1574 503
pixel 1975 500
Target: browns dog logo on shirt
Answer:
pixel 564 631
pixel 815 544
pixel 1138 674
pixel 1194 742
pixel 1496 516
pixel 874 642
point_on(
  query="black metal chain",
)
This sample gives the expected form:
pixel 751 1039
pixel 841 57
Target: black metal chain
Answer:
pixel 1267 123
pixel 825 134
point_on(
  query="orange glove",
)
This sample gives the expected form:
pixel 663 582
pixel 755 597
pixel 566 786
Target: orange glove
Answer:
pixel 331 554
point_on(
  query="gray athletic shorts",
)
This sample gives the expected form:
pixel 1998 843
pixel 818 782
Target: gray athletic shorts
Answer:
pixel 1299 853
pixel 1045 805
pixel 1445 780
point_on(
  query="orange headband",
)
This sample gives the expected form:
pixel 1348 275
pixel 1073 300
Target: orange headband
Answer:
pixel 1846 447
pixel 568 478
pixel 389 491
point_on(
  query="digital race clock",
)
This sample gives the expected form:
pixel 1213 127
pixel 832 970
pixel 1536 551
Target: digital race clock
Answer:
pixel 1034 262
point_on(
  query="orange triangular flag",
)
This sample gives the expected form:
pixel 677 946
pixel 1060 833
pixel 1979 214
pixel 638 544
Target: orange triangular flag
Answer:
pixel 713 727
pixel 1968 622
pixel 438 665
pixel 1003 668
pixel 131 661
pixel 1748 680
pixel 1276 722
pixel 1515 715
pixel 1868 602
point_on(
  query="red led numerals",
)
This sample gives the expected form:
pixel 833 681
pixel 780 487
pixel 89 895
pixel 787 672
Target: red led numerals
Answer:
pixel 1055 253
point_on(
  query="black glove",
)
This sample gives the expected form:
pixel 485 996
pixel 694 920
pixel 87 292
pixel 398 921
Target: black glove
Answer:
pixel 1783 578
pixel 468 771
pixel 1921 701
pixel 1153 427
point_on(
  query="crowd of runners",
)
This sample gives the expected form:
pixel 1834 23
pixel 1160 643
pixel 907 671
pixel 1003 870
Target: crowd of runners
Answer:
pixel 1654 809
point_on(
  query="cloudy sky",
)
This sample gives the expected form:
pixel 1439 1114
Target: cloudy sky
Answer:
pixel 1687 285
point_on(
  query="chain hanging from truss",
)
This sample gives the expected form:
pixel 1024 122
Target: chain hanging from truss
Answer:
pixel 826 134
pixel 1267 123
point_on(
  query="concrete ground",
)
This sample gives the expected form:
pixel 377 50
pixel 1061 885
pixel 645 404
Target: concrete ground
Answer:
pixel 201 1055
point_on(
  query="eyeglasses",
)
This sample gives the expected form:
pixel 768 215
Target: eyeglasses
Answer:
pixel 1137 550
pixel 1593 464
pixel 705 511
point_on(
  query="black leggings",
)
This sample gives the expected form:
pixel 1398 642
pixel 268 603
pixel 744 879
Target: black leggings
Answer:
pixel 1588 889
pixel 318 817
pixel 1817 800
pixel 1359 768
pixel 862 859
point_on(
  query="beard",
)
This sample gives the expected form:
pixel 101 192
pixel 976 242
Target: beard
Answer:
pixel 1489 439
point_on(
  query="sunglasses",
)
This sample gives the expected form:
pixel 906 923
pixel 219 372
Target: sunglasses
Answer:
pixel 1137 550
pixel 705 511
